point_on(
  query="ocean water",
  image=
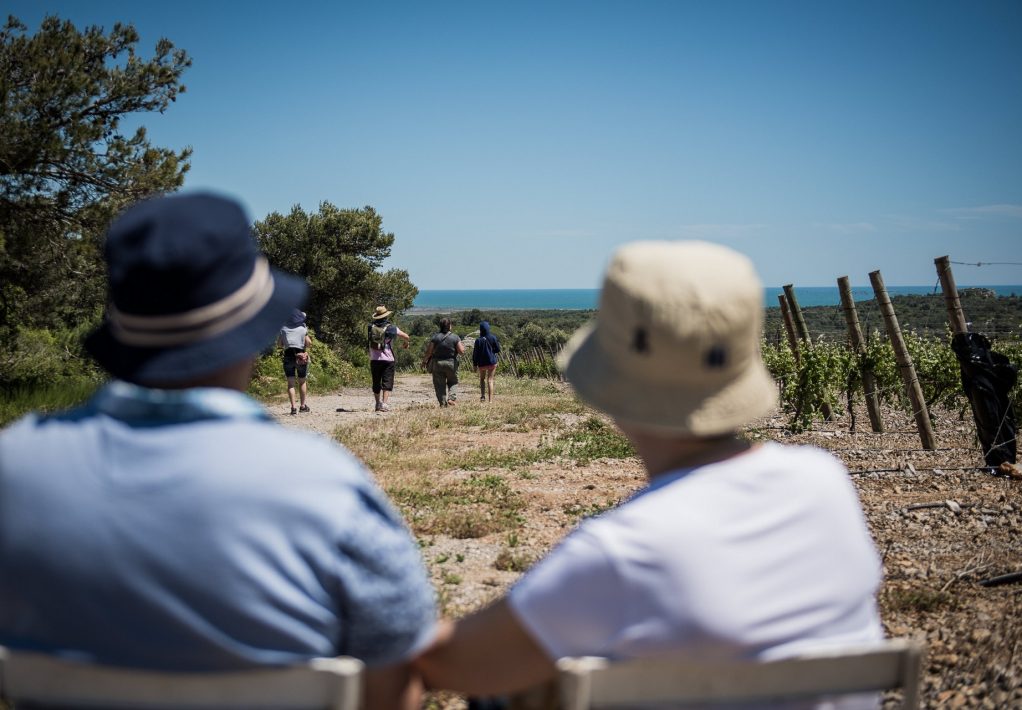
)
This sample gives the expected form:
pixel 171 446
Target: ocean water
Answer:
pixel 587 298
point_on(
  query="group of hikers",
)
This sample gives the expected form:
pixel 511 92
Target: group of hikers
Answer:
pixel 170 523
pixel 441 358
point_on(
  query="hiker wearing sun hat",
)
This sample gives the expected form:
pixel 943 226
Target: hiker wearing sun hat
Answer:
pixel 732 551
pixel 171 503
pixel 382 363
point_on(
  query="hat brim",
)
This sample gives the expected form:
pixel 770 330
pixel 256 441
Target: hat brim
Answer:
pixel 383 315
pixel 177 364
pixel 670 410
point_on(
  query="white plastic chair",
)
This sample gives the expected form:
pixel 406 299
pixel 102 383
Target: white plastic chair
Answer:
pixel 320 684
pixel 591 682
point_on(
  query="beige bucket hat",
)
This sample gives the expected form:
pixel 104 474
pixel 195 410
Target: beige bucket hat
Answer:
pixel 674 347
pixel 381 312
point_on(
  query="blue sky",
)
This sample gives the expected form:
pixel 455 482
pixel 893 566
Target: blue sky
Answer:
pixel 514 145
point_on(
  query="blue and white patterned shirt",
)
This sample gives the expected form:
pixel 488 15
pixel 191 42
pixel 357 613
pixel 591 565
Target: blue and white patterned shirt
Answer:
pixel 185 530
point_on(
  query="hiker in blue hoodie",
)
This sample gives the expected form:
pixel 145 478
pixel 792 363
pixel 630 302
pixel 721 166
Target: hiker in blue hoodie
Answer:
pixel 484 359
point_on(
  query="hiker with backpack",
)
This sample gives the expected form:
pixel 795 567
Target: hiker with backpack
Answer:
pixel 294 338
pixel 381 333
pixel 484 359
pixel 441 359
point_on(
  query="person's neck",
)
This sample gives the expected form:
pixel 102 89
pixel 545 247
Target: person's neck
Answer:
pixel 662 456
pixel 235 376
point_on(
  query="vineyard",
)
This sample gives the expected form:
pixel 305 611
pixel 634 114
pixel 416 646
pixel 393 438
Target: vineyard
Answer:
pixel 830 373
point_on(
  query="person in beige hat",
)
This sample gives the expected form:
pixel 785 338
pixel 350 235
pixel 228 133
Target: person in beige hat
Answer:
pixel 382 363
pixel 733 550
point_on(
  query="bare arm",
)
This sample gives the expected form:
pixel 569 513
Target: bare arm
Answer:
pixel 487 653
pixel 461 347
pixel 392 688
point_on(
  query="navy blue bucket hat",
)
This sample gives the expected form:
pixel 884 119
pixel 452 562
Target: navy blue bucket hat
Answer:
pixel 189 292
pixel 296 319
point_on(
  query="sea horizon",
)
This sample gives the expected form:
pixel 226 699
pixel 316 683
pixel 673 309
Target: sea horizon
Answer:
pixel 581 299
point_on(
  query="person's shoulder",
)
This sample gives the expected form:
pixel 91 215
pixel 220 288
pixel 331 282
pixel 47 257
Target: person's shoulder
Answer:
pixel 22 428
pixel 306 456
pixel 37 422
pixel 37 432
pixel 800 455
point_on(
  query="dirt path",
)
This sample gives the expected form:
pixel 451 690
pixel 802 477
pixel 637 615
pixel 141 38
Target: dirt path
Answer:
pixel 331 410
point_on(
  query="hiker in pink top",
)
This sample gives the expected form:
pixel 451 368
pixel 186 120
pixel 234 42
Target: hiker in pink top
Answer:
pixel 381 334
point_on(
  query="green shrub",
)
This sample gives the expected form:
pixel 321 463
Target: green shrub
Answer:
pixel 56 396
pixel 595 439
pixel 45 370
pixel 38 357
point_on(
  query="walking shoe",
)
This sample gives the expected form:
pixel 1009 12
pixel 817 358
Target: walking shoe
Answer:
pixel 303 408
pixel 379 406
pixel 293 411
pixel 384 407
pixel 483 398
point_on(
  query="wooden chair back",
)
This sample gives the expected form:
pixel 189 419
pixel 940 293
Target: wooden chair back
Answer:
pixel 320 684
pixel 590 682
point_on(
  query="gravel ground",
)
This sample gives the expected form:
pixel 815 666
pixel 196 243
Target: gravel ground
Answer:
pixel 941 526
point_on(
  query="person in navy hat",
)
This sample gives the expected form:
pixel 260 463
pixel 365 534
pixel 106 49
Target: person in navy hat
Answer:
pixel 164 524
pixel 294 339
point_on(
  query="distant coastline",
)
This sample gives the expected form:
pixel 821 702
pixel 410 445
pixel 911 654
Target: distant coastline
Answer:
pixel 581 299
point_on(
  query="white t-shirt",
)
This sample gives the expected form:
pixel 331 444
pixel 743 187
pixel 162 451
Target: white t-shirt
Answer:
pixel 763 555
pixel 294 337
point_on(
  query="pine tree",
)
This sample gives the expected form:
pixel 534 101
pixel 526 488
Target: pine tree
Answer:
pixel 66 167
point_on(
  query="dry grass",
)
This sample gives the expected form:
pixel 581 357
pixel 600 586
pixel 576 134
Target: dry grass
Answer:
pixel 454 471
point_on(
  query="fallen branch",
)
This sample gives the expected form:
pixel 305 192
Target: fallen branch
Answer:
pixel 976 564
pixel 1013 578
pixel 949 504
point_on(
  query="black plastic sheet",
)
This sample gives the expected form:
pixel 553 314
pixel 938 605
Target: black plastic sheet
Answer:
pixel 987 379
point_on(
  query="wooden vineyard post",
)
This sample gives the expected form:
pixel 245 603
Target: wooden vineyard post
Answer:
pixel 904 360
pixel 796 314
pixel 955 315
pixel 554 350
pixel 542 360
pixel 789 328
pixel 869 383
pixel 803 334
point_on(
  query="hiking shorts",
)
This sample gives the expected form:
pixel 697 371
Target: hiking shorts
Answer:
pixel 383 375
pixel 291 366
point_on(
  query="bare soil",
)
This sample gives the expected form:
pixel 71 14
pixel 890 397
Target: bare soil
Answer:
pixel 935 557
